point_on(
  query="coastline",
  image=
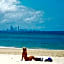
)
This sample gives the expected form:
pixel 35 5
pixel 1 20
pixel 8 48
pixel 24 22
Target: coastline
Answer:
pixel 34 52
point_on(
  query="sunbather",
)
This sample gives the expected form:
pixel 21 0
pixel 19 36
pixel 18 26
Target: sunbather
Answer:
pixel 24 55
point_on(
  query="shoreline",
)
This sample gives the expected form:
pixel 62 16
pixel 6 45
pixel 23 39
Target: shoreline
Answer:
pixel 34 52
pixel 30 48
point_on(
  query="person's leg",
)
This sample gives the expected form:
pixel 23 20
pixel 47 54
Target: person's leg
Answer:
pixel 37 59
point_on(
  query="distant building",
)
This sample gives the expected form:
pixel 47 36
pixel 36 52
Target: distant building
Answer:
pixel 11 28
pixel 18 28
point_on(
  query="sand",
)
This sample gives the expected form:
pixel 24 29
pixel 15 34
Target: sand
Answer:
pixel 13 56
pixel 36 52
pixel 16 59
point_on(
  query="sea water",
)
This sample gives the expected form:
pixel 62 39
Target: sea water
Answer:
pixel 32 40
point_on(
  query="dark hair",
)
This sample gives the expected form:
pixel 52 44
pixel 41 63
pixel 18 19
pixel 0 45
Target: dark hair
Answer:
pixel 24 49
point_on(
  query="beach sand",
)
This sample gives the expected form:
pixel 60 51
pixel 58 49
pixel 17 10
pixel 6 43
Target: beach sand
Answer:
pixel 36 52
pixel 13 56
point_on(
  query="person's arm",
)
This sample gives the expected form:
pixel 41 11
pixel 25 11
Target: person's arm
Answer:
pixel 22 57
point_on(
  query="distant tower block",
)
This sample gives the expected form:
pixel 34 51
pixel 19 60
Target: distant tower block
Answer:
pixel 11 28
pixel 18 28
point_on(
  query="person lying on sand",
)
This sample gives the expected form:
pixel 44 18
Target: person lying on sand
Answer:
pixel 24 55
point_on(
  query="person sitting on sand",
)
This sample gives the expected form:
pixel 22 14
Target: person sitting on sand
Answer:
pixel 24 55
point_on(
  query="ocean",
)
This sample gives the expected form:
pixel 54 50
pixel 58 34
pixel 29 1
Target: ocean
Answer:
pixel 37 40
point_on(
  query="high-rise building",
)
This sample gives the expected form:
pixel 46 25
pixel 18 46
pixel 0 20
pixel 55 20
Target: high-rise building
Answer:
pixel 18 28
pixel 11 28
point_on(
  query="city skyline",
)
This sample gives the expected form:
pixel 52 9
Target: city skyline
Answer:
pixel 11 28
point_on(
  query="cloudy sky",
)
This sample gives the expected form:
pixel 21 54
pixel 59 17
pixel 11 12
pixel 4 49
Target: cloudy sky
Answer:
pixel 45 15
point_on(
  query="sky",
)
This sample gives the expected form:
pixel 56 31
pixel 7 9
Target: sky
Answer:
pixel 43 15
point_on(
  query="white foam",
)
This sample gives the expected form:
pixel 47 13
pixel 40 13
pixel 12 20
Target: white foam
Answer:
pixel 9 47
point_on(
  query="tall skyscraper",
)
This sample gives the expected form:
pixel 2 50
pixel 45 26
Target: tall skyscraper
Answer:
pixel 18 28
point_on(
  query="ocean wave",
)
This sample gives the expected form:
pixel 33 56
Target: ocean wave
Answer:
pixel 8 47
